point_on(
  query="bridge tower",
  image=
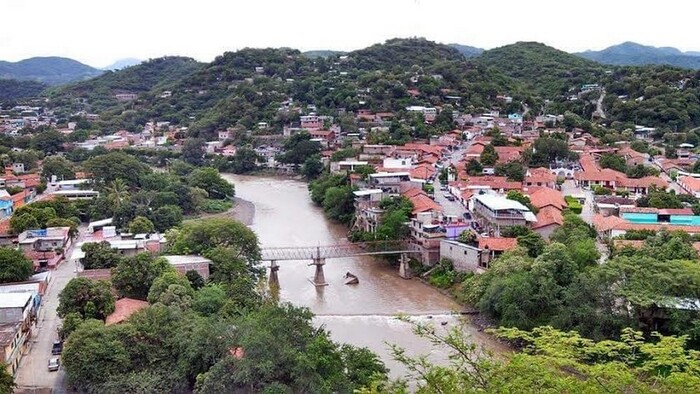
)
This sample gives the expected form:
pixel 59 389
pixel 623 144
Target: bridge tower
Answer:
pixel 273 280
pixel 404 268
pixel 319 276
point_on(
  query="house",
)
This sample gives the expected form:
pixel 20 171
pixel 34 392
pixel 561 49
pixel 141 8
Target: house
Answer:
pixel 492 247
pixel 190 263
pixel 540 177
pixel 18 312
pixel 426 234
pixel 464 257
pixel 389 182
pixel 311 122
pixel 328 136
pixel 494 212
pixel 6 204
pixel 367 211
pixel 549 219
pixel 123 309
pixel 690 184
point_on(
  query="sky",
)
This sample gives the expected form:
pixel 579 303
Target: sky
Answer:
pixel 99 32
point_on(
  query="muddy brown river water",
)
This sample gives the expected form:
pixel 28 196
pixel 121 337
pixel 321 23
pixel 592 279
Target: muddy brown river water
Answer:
pixel 363 314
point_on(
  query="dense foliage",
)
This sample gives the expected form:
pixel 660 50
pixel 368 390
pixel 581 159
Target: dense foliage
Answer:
pixel 226 335
pixel 552 361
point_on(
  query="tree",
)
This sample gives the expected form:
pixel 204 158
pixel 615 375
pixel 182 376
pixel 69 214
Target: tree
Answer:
pixel 166 217
pixel 210 299
pixel 93 354
pixel 22 222
pixel 48 142
pixel 134 275
pixel 89 298
pixel 613 161
pixel 196 280
pixel 99 255
pixel 488 156
pixel 193 151
pixel 550 361
pixel 59 167
pixel 338 204
pixel 245 160
pixel 298 148
pixel 168 280
pixel 547 150
pixel 533 242
pixel 141 225
pixel 312 167
pixel 201 236
pixel 117 165
pixel 513 170
pixel 14 266
pixel 117 192
pixel 209 179
pixel 473 168
pixel 7 382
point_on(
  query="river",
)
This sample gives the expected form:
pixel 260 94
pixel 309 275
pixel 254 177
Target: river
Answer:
pixel 363 314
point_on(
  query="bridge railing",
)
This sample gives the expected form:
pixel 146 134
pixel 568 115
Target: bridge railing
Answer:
pixel 333 251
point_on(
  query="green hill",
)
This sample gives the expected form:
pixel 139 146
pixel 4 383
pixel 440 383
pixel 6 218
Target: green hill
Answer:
pixel 630 53
pixel 546 71
pixel 403 52
pixel 48 70
pixel 12 89
pixel 152 75
pixel 466 50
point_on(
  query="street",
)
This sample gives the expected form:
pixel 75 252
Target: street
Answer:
pixel 33 371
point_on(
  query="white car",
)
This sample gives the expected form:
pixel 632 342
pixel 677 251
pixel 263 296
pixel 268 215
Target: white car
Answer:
pixel 54 364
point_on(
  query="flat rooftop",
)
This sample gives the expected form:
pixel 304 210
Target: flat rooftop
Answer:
pixel 15 300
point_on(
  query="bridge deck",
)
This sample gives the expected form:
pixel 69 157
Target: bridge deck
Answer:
pixel 334 251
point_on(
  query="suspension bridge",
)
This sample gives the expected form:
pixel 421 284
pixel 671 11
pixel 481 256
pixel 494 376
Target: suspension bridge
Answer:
pixel 319 254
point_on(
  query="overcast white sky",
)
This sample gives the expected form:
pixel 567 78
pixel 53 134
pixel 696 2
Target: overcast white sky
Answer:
pixel 98 32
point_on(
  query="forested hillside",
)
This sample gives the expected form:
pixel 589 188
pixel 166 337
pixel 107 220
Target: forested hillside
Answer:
pixel 12 89
pixel 260 85
pixel 544 70
pixel 48 70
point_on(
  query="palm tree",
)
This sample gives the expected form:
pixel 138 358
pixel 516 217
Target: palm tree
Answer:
pixel 117 191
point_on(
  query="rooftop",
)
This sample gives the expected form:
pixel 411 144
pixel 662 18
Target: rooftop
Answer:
pixel 186 259
pixel 499 203
pixel 15 300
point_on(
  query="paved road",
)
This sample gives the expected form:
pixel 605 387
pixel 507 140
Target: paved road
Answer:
pixel 599 105
pixel 33 373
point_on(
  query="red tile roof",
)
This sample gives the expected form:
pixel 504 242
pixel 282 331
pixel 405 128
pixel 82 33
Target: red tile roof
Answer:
pixel 543 196
pixel 498 244
pixel 421 202
pixel 690 184
pixel 123 309
pixel 540 175
pixel 548 216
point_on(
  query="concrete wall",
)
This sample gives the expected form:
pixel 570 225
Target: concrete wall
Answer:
pixel 464 257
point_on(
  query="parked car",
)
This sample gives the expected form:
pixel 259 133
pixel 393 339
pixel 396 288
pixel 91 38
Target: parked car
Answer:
pixel 54 364
pixel 57 348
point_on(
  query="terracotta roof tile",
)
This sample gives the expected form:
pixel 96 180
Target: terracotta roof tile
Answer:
pixel 548 216
pixel 123 309
pixel 543 196
pixel 498 244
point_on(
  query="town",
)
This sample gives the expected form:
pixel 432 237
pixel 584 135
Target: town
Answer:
pixel 120 213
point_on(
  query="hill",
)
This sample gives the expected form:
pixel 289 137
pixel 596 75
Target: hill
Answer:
pixel 633 54
pixel 466 50
pixel 48 70
pixel 403 52
pixel 12 89
pixel 154 74
pixel 546 71
pixel 322 53
pixel 123 63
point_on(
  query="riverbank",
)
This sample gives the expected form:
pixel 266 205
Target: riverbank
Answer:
pixel 242 210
